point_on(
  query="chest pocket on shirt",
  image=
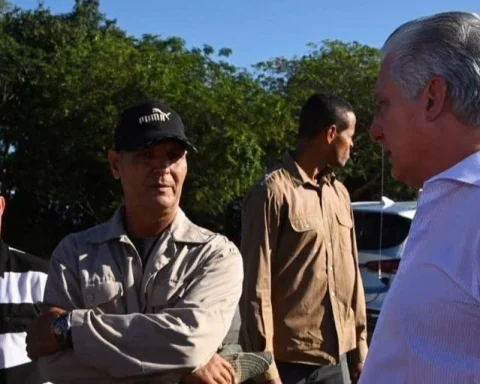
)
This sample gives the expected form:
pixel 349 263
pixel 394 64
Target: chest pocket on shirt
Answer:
pixel 345 225
pixel 105 296
pixel 166 293
pixel 305 223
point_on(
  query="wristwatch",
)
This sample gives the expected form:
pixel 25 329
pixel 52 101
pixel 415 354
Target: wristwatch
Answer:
pixel 62 329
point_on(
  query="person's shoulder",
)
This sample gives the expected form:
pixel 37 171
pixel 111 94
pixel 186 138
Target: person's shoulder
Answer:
pixel 274 182
pixel 185 231
pixel 277 177
pixel 339 185
pixel 209 241
pixel 220 242
pixel 76 243
pixel 26 262
pixel 72 238
pixel 96 235
pixel 341 190
pixel 220 247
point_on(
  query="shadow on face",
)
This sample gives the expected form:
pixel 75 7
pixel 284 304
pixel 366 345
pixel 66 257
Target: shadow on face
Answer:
pixel 152 177
pixel 343 141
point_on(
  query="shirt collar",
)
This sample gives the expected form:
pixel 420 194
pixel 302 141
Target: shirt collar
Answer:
pixel 182 230
pixel 299 175
pixel 327 176
pixel 466 171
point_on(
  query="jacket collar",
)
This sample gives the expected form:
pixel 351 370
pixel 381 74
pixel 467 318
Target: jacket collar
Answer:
pixel 181 229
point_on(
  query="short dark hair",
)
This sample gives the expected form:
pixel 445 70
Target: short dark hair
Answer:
pixel 320 111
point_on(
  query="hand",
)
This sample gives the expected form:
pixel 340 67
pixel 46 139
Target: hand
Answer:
pixel 355 371
pixel 217 371
pixel 40 339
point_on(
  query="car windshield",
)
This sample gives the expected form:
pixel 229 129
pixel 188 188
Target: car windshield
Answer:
pixel 367 230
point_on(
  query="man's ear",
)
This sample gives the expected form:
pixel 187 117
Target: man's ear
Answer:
pixel 114 160
pixel 2 209
pixel 436 94
pixel 2 205
pixel 331 133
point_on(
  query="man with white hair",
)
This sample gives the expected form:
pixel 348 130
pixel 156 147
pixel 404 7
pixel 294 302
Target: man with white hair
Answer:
pixel 428 121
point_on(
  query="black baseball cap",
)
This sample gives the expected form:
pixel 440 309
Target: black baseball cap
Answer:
pixel 145 124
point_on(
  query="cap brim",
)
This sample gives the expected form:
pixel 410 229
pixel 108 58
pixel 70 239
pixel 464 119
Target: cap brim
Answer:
pixel 182 140
pixel 248 365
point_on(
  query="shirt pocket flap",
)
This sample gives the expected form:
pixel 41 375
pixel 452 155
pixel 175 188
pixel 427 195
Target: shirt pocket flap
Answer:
pixel 344 219
pixel 101 293
pixel 166 292
pixel 305 223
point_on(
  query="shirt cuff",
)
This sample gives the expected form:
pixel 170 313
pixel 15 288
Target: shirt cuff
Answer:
pixel 271 374
pixel 359 354
pixel 76 322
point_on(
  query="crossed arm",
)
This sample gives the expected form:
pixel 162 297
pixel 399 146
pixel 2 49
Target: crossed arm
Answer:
pixel 171 344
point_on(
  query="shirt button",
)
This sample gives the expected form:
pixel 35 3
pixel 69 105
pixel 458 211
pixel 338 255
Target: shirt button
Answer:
pixel 333 294
pixel 90 297
pixel 330 269
pixel 329 245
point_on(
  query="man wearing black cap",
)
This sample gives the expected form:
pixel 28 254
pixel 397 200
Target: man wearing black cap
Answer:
pixel 147 297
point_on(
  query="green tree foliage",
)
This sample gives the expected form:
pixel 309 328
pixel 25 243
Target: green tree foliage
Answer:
pixel 4 6
pixel 65 78
pixel 349 70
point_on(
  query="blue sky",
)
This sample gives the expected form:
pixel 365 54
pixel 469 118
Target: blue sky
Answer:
pixel 257 30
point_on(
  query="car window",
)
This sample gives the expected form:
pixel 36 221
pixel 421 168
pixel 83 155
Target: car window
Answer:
pixel 367 229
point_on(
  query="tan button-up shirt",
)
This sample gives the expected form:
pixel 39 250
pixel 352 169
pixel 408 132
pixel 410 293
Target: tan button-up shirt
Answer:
pixel 303 297
pixel 135 323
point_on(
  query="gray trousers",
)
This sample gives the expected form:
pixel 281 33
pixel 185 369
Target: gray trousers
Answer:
pixel 294 373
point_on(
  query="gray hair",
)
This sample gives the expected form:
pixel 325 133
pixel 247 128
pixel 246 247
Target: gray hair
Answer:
pixel 445 45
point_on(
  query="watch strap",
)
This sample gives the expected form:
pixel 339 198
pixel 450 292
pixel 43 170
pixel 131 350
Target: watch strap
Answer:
pixel 61 329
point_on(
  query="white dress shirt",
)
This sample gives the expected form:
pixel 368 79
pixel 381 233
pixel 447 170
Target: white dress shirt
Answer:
pixel 429 327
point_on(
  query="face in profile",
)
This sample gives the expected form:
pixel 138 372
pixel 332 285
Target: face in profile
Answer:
pixel 342 142
pixel 397 127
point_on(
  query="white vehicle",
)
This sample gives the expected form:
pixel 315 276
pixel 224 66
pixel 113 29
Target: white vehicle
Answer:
pixel 381 239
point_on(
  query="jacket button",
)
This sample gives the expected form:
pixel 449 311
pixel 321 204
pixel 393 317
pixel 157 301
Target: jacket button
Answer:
pixel 90 297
